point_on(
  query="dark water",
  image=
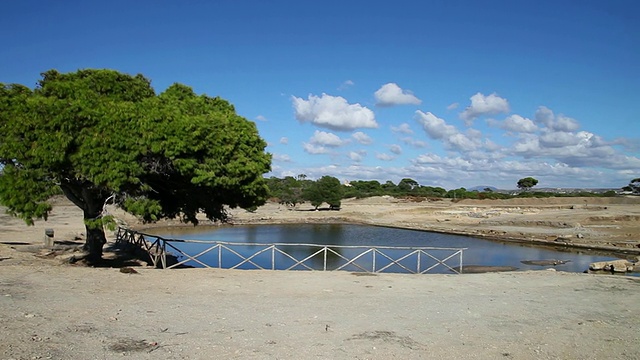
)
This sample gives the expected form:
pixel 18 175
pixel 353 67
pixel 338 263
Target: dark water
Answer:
pixel 479 251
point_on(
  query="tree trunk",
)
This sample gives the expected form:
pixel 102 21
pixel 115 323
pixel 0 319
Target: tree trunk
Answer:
pixel 90 199
pixel 95 233
pixel 94 243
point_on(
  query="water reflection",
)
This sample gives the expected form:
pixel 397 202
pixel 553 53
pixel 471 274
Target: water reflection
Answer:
pixel 480 251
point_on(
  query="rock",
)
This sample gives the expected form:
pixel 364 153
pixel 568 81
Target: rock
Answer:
pixel 620 266
pixel 545 262
pixel 128 270
pixel 563 239
pixel 580 236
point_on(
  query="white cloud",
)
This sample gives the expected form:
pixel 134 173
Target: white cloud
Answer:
pixel 413 142
pixel 462 142
pixel 453 106
pixel 323 138
pixel 484 105
pixel 261 118
pixel 396 149
pixel 582 149
pixel 356 156
pixel 281 157
pixel 545 116
pixel 314 149
pixel 548 146
pixel 564 123
pixel 333 112
pixel 491 146
pixel 284 140
pixel 518 124
pixel 558 139
pixel 362 138
pixel 435 127
pixel 391 94
pixel 433 159
pixel 403 128
pixel 345 85
pixel 384 157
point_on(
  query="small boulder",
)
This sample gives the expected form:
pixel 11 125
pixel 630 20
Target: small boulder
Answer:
pixel 620 266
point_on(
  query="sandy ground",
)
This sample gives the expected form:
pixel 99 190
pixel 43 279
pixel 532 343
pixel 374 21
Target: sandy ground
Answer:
pixel 53 310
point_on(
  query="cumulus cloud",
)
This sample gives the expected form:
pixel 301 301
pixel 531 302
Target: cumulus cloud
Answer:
pixel 435 127
pixel 453 106
pixel 323 138
pixel 403 128
pixel 413 142
pixel 453 162
pixel 546 117
pixel 462 142
pixel 284 140
pixel 396 149
pixel 384 157
pixel 362 138
pixel 484 105
pixel 547 145
pixel 438 129
pixel 281 157
pixel 345 85
pixel 558 139
pixel 518 124
pixel 314 149
pixel 391 94
pixel 333 112
pixel 356 156
pixel 261 118
pixel 574 149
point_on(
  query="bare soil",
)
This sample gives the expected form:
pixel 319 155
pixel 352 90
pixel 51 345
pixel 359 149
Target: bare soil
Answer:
pixel 51 309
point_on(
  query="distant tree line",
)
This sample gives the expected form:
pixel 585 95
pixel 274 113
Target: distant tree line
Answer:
pixel 328 190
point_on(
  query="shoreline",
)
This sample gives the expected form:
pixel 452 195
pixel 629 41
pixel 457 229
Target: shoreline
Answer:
pixel 609 225
pixel 572 246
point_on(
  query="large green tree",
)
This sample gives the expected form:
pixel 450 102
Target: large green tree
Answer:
pixel 527 183
pixel 100 136
pixel 326 189
pixel 634 186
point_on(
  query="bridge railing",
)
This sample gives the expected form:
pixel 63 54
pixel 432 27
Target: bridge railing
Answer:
pixel 173 253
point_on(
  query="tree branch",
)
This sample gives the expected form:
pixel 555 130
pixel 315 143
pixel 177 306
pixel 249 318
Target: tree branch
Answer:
pixel 72 194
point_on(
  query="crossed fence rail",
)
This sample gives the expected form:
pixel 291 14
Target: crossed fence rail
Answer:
pixel 164 253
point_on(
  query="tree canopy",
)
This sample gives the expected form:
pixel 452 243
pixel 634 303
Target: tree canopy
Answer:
pixel 100 135
pixel 527 183
pixel 634 186
pixel 326 189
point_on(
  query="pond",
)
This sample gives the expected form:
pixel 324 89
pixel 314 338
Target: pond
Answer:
pixel 478 252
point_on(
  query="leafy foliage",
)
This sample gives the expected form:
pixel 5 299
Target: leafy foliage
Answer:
pixel 288 190
pixel 634 186
pixel 327 189
pixel 527 183
pixel 93 134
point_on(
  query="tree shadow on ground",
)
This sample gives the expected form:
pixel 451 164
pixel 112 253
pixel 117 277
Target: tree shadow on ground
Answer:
pixel 320 209
pixel 115 256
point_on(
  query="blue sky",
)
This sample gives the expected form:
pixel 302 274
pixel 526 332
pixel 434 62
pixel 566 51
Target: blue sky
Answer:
pixel 449 93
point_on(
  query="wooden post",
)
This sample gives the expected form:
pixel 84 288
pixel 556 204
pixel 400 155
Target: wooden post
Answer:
pixel 48 237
